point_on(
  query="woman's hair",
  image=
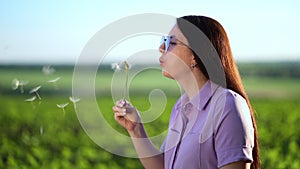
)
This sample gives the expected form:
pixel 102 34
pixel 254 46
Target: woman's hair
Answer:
pixel 217 36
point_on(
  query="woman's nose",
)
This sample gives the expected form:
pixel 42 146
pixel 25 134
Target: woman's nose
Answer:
pixel 162 48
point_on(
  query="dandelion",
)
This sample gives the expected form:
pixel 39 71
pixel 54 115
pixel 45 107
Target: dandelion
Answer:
pixel 74 100
pixel 35 90
pixel 18 83
pixel 31 100
pixel 48 70
pixel 62 106
pixel 126 67
pixel 119 66
pixel 54 82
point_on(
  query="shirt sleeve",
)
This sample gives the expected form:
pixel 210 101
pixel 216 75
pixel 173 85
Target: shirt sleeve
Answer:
pixel 234 134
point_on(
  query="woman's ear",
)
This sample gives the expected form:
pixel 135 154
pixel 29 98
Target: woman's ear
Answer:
pixel 194 62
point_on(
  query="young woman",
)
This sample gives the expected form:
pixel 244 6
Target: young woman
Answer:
pixel 212 125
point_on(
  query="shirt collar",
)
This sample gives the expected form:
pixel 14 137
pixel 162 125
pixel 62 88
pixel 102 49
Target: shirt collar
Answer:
pixel 202 99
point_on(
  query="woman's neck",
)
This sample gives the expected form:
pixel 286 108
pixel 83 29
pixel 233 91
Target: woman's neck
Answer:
pixel 192 83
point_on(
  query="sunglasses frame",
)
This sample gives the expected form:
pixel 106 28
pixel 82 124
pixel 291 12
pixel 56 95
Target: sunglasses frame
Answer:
pixel 166 40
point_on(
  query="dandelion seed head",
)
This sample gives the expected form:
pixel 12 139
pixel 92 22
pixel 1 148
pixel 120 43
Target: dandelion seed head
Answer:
pixel 116 66
pixel 35 89
pixel 120 66
pixel 126 65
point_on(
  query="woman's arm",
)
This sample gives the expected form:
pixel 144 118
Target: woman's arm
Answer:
pixel 151 157
pixel 237 165
pixel 129 118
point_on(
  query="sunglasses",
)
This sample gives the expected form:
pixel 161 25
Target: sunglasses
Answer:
pixel 166 40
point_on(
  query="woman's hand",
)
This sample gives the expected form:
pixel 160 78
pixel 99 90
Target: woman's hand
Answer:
pixel 126 115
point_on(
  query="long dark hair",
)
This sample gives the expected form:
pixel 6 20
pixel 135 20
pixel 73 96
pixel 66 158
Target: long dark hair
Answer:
pixel 217 36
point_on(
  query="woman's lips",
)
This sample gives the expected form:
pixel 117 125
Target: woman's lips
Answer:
pixel 161 63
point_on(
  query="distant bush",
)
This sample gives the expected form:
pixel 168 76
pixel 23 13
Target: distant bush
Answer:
pixel 273 70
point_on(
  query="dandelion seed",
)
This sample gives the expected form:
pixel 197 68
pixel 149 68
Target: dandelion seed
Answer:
pixel 35 90
pixel 18 83
pixel 54 82
pixel 22 84
pixel 74 100
pixel 15 84
pixel 31 101
pixel 62 106
pixel 48 70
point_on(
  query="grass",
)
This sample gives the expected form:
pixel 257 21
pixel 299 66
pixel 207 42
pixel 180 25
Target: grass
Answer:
pixel 264 87
pixel 41 136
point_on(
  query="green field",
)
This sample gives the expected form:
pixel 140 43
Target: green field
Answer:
pixel 40 135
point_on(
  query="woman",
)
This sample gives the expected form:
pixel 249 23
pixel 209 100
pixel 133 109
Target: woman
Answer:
pixel 212 125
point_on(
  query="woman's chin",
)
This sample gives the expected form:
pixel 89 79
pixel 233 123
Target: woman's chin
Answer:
pixel 166 74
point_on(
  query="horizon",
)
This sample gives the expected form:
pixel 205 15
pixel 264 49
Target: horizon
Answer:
pixel 68 64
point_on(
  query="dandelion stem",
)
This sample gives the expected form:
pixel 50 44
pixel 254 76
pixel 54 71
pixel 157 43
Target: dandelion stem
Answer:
pixel 126 66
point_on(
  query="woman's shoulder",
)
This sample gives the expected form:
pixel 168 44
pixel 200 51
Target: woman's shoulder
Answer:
pixel 229 97
pixel 230 103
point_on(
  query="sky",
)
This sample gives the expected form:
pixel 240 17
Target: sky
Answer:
pixel 57 31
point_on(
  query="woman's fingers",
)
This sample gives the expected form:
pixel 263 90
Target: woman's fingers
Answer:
pixel 123 109
pixel 123 103
pixel 119 111
pixel 125 114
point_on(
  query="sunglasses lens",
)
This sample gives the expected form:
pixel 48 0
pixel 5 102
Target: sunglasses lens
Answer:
pixel 166 41
pixel 162 40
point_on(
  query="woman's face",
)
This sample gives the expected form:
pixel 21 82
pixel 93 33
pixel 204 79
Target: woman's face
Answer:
pixel 177 60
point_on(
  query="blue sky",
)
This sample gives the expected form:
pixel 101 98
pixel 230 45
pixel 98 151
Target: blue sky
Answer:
pixel 57 31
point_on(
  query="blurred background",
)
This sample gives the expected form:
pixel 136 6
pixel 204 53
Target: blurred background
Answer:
pixel 40 43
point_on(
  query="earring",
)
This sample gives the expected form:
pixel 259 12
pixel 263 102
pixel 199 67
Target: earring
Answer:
pixel 193 65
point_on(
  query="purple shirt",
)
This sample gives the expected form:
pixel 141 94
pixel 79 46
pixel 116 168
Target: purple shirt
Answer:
pixel 209 131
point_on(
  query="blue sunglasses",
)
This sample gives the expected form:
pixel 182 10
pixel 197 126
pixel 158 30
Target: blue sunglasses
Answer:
pixel 166 40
